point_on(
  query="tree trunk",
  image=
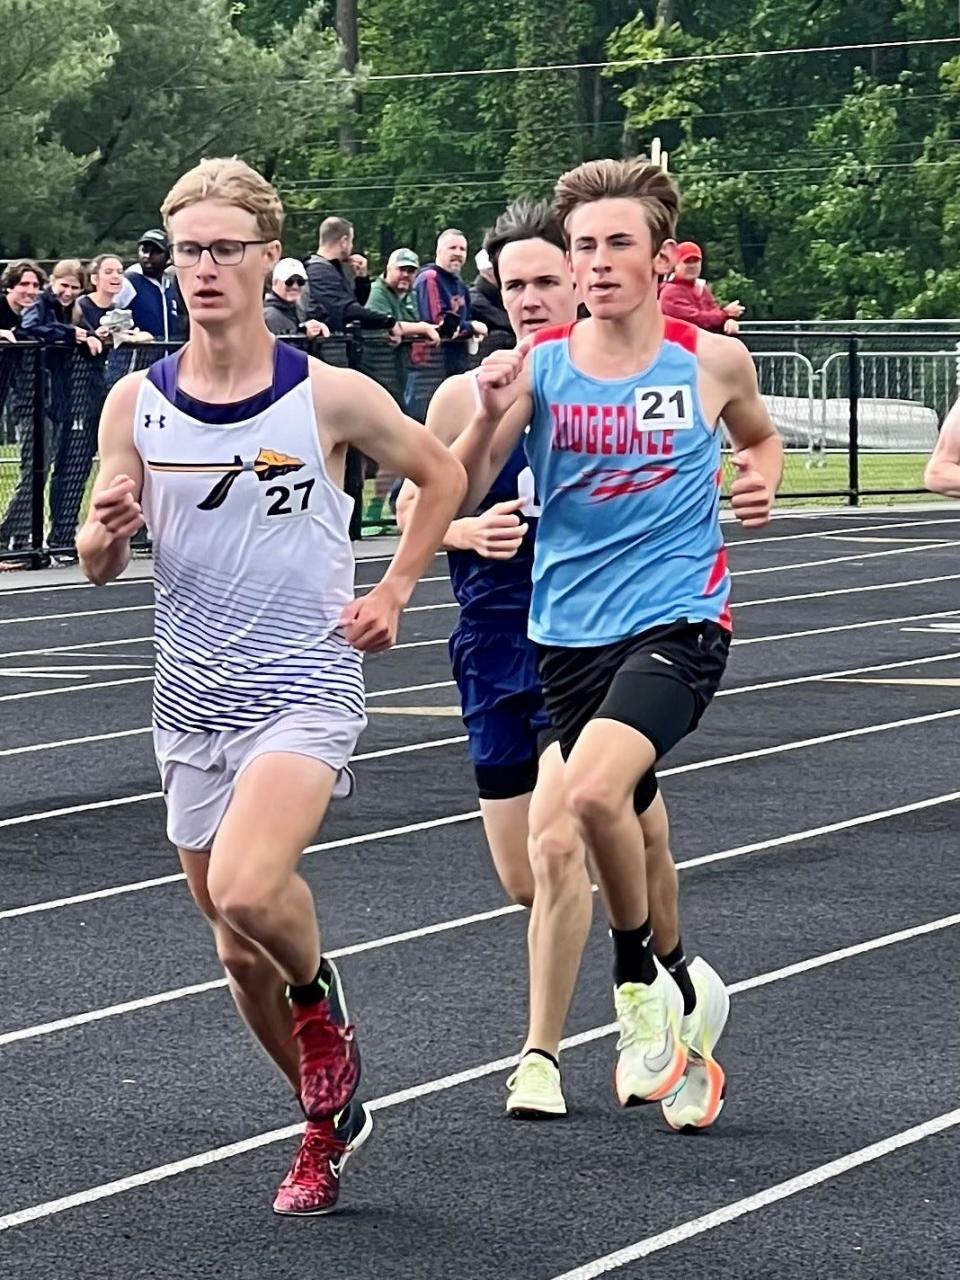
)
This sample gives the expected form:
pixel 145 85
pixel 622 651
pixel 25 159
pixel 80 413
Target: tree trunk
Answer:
pixel 666 12
pixel 347 30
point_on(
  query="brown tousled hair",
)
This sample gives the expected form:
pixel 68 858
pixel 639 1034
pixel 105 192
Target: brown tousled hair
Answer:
pixel 637 179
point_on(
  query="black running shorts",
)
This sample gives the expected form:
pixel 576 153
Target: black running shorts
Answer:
pixel 659 682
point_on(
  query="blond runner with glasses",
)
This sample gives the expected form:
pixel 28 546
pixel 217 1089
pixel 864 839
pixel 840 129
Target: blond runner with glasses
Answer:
pixel 232 450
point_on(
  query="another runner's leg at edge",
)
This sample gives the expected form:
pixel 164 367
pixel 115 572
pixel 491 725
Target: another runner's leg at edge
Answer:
pixel 495 665
pixel 630 602
pixel 233 452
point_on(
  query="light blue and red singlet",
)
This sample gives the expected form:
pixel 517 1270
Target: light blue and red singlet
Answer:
pixel 628 474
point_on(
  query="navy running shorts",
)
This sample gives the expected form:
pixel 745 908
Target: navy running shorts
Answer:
pixel 502 705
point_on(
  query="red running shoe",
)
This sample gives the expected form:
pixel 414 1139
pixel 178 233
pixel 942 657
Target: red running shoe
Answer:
pixel 329 1054
pixel 313 1184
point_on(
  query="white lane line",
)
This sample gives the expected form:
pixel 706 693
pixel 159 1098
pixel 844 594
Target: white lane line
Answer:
pixel 447 926
pixel 74 688
pixel 846 626
pixel 851 671
pixel 202 1159
pixel 136 886
pixel 83 613
pixel 846 537
pixel 827 533
pixel 822 676
pixel 23 818
pixel 845 591
pixel 803 743
pixel 343 842
pixel 868 555
pixel 130 733
pixel 762 1199
pixel 140 608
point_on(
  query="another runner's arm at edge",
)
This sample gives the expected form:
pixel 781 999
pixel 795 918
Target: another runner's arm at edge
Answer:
pixel 942 474
pixel 452 406
pixel 103 543
pixel 502 410
pixel 360 413
pixel 755 439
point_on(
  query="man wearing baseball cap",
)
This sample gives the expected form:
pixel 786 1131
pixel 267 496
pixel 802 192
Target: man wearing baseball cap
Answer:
pixel 686 296
pixel 281 306
pixel 155 301
pixel 392 295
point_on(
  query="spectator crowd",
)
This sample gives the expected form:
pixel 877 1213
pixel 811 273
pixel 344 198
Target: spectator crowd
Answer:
pixel 421 323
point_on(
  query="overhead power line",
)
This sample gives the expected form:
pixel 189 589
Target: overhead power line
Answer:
pixel 665 61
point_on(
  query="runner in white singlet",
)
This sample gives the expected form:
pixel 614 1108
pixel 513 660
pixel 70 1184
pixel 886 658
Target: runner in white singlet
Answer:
pixel 233 452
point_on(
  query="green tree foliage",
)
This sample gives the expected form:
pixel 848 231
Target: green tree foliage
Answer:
pixel 48 53
pixel 815 181
pixel 821 184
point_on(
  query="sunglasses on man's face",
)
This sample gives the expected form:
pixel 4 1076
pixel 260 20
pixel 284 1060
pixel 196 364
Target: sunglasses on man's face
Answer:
pixel 297 282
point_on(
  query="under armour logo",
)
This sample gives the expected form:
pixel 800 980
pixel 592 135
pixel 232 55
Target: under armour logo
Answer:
pixel 161 421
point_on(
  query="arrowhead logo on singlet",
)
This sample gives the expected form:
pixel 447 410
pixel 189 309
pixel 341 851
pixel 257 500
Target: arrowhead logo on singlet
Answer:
pixel 267 465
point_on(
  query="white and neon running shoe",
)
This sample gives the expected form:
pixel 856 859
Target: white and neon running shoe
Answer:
pixel 699 1100
pixel 652 1053
pixel 534 1088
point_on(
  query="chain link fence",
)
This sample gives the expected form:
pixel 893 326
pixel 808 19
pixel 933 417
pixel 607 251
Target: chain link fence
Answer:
pixel 859 413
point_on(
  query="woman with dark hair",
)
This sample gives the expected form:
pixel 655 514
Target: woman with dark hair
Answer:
pixel 20 284
pixel 96 368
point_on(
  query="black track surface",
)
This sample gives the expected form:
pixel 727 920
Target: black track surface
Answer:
pixel 822 1061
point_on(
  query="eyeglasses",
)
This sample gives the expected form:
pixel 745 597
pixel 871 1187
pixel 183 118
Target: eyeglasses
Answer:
pixel 225 253
pixel 297 282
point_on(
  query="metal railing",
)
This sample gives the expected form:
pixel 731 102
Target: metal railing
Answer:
pixel 855 422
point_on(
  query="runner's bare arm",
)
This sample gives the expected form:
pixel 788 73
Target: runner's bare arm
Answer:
pixel 499 531
pixel 943 470
pixel 758 455
pixel 358 412
pixel 503 407
pixel 103 543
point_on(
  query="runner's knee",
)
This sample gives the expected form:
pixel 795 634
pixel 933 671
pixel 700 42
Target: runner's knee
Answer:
pixel 244 962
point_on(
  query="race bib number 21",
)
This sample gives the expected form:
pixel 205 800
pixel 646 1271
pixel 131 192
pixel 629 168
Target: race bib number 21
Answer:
pixel 664 408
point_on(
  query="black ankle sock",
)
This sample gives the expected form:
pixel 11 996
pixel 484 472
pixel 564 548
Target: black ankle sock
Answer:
pixel 633 955
pixel 675 963
pixel 311 992
pixel 543 1054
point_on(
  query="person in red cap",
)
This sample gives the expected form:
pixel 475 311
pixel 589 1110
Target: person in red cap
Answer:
pixel 686 297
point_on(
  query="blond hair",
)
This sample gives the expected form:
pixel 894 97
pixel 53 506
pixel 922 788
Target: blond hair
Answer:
pixel 68 267
pixel 231 181
pixel 635 179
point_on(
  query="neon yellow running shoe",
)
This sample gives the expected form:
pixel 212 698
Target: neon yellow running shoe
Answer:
pixel 699 1100
pixel 534 1090
pixel 652 1054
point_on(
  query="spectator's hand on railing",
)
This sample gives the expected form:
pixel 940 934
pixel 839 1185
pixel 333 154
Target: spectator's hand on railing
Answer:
pixel 395 335
pixel 495 535
pixel 480 330
pixel 316 329
pixel 80 335
pixel 94 345
pixel 429 332
pixel 7 335
pixel 734 309
pixel 731 327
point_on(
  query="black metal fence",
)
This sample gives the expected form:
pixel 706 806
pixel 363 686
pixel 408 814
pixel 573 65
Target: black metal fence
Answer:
pixel 859 414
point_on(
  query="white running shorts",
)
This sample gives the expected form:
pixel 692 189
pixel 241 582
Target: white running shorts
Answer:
pixel 198 769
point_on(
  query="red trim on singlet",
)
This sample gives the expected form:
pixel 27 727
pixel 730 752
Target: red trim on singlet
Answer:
pixel 556 333
pixel 682 333
pixel 717 574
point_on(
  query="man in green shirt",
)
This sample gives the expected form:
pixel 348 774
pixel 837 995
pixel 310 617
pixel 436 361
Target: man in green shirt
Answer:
pixel 392 295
